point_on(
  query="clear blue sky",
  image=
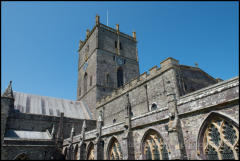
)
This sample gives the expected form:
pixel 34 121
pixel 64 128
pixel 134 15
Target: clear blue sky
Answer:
pixel 40 39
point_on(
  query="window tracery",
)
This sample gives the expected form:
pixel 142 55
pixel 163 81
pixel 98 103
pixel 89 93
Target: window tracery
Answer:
pixel 115 152
pixel 220 140
pixel 154 148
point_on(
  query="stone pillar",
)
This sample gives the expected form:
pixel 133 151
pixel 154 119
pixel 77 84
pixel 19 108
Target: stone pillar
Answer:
pixel 176 142
pixel 97 19
pixel 82 145
pixel 128 142
pixel 99 143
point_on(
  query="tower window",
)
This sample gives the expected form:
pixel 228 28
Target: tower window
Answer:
pixel 119 77
pixel 116 45
pixel 107 79
pixel 79 92
pixel 85 82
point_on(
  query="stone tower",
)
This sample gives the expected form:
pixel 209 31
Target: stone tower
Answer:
pixel 107 60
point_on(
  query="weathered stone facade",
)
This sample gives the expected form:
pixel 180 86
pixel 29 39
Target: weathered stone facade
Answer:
pixel 172 112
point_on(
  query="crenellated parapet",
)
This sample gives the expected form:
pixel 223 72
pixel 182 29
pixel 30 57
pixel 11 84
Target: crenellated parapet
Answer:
pixel 143 78
pixel 98 24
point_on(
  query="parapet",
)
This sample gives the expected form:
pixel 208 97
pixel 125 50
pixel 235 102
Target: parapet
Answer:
pixel 169 62
pixel 138 81
pixel 98 24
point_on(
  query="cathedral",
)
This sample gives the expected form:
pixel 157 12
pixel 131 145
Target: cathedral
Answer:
pixel 171 112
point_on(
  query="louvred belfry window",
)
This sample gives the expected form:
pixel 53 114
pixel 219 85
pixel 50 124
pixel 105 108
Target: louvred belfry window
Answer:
pixel 220 141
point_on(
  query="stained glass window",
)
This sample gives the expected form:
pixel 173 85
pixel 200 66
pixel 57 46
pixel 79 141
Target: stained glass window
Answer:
pixel 221 140
pixel 154 148
pixel 115 150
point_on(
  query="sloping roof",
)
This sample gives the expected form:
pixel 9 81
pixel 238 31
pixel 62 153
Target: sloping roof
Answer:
pixel 19 134
pixel 44 105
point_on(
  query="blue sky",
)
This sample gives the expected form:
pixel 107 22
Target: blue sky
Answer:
pixel 40 39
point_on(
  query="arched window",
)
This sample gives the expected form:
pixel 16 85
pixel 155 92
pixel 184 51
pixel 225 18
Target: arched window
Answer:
pixel 119 77
pixel 76 154
pixel 154 147
pixel 219 138
pixel 107 79
pixel 90 153
pixel 21 156
pixel 115 152
pixel 85 82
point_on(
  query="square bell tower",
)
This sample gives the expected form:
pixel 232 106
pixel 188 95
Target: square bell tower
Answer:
pixel 108 59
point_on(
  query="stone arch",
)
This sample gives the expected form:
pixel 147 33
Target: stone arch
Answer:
pixel 90 151
pixel 153 146
pixel 114 151
pixel 218 137
pixel 21 156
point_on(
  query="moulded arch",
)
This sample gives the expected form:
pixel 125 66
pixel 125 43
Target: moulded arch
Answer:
pixel 144 138
pixel 204 125
pixel 111 141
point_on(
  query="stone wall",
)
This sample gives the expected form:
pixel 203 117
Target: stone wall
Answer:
pixel 31 122
pixel 33 151
pixel 193 108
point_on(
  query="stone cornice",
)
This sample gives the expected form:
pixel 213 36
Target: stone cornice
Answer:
pixel 216 88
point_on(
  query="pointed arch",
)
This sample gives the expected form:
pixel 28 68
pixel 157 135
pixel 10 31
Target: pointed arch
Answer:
pixel 114 151
pixel 21 156
pixel 119 77
pixel 218 137
pixel 153 146
pixel 90 151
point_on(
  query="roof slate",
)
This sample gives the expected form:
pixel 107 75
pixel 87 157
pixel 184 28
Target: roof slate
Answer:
pixel 44 105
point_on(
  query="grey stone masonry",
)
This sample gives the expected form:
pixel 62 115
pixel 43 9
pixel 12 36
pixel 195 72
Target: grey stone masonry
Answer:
pixel 101 55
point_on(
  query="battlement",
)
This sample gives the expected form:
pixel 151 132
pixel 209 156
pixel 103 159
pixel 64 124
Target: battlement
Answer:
pixel 98 24
pixel 144 77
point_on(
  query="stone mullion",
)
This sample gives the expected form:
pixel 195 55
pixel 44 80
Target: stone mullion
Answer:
pixel 226 141
pixel 118 150
pixel 151 148
pixel 236 143
pixel 218 153
pixel 92 154
pixel 113 152
pixel 213 145
pixel 159 146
